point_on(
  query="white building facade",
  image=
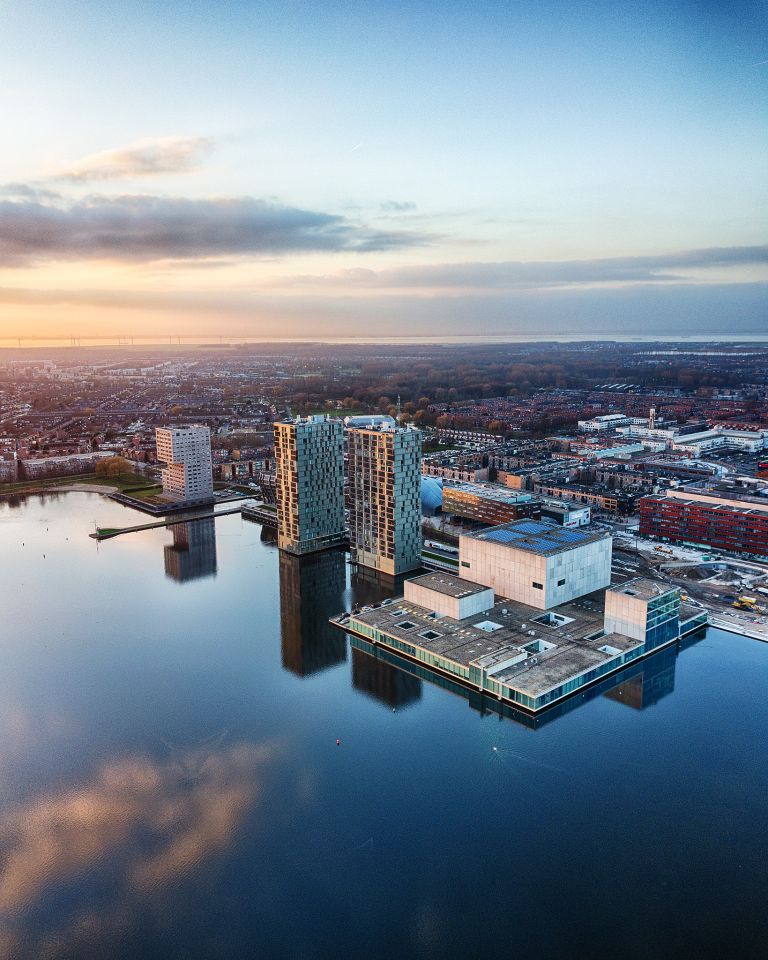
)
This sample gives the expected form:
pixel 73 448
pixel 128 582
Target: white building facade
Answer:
pixel 185 453
pixel 536 562
pixel 448 595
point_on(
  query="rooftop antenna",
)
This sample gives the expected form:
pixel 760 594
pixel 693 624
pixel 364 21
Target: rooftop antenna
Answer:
pixel 399 411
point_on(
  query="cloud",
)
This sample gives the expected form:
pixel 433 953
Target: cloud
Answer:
pixel 512 274
pixel 144 158
pixel 145 228
pixel 398 206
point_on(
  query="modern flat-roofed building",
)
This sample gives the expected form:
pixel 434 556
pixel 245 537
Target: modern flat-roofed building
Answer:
pixel 384 491
pixel 448 595
pixel 736 526
pixel 537 562
pixel 366 420
pixel 514 652
pixel 644 610
pixel 488 503
pixel 565 513
pixel 309 484
pixel 609 421
pixel 64 466
pixel 185 453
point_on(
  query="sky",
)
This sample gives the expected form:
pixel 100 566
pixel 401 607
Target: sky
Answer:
pixel 337 169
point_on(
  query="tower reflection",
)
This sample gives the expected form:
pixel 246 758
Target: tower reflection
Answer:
pixel 371 674
pixel 192 555
pixel 382 681
pixel 312 589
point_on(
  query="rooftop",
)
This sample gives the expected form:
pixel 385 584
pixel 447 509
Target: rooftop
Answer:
pixel 548 647
pixel 722 504
pixel 538 536
pixel 642 588
pixel 498 494
pixel 449 585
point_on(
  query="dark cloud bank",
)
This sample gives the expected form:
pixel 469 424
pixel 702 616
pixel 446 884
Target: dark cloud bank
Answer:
pixel 36 228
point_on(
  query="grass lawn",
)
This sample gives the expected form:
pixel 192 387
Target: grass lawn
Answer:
pixel 122 482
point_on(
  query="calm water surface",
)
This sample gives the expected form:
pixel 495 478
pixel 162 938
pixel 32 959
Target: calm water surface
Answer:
pixel 171 787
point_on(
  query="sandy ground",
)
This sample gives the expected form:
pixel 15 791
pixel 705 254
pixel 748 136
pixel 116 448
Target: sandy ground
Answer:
pixel 82 488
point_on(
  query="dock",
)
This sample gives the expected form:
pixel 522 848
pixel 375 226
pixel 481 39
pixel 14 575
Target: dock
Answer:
pixel 108 533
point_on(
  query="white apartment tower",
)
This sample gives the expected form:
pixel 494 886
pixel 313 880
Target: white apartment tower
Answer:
pixel 309 482
pixel 185 453
pixel 384 494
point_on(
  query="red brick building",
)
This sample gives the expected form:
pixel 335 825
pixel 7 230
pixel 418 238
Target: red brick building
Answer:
pixel 732 525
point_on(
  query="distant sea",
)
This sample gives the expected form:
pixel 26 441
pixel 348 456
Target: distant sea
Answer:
pixel 8 343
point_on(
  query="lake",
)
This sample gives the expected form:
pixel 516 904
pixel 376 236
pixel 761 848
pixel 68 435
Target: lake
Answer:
pixel 171 784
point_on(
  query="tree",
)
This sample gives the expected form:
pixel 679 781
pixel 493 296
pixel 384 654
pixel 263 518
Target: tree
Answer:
pixel 113 467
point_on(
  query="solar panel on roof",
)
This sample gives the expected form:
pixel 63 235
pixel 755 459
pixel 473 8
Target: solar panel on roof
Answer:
pixel 572 536
pixel 503 536
pixel 533 526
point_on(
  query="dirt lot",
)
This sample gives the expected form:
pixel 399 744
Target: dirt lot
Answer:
pixel 713 585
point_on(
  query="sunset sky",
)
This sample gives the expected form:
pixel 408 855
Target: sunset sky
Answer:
pixel 280 169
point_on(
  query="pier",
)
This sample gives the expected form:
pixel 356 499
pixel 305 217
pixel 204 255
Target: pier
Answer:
pixel 108 533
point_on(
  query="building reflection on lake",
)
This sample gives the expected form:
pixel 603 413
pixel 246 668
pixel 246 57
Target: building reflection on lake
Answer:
pixel 639 686
pixel 655 680
pixel 312 589
pixel 192 555
pixel 382 681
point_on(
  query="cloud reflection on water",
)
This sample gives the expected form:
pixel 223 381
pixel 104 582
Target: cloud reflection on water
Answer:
pixel 139 825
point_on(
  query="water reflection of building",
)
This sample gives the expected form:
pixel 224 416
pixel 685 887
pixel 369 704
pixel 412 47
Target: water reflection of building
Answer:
pixel 192 554
pixel 311 591
pixel 644 683
pixel 383 681
pixel 373 586
pixel 655 680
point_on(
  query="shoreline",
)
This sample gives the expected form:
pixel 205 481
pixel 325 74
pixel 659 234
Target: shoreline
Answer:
pixel 719 619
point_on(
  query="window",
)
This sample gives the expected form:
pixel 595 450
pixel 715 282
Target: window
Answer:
pixel 561 583
pixel 406 625
pixel 537 586
pixel 465 563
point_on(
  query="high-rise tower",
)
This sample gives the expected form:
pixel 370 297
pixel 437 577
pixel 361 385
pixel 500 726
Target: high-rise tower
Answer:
pixel 185 453
pixel 384 473
pixel 309 482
